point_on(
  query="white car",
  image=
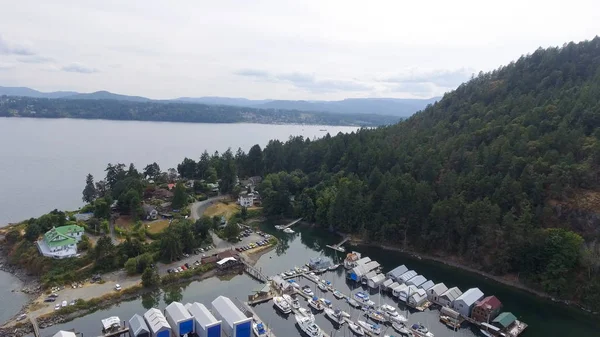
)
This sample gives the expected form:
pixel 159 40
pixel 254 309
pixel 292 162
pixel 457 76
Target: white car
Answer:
pixel 57 306
pixel 117 287
pixel 64 303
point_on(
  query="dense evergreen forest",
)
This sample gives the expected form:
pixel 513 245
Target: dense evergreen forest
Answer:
pixel 11 106
pixel 502 173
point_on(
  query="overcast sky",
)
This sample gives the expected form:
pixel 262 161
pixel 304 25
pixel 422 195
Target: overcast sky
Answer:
pixel 276 48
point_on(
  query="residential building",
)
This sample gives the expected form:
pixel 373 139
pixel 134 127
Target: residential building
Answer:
pixel 150 213
pixel 83 216
pixel 60 242
pixel 505 320
pixel 487 309
pixel 447 298
pixel 418 298
pixel 246 199
pixel 436 291
pixel 464 303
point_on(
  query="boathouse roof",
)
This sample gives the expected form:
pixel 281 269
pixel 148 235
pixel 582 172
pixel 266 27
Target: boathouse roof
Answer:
pixel 63 333
pixel 505 319
pixel 227 310
pixel 202 315
pixel 156 320
pixel 452 293
pixel 438 289
pixel 470 296
pixel 138 326
pixel 397 272
pixel 428 284
pixel 406 276
pixel 177 312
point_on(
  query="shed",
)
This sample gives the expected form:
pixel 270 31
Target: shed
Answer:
pixel 395 273
pixel 159 327
pixel 206 325
pixel 434 292
pixel 504 320
pixel 447 298
pixel 281 284
pixel 179 318
pixel 393 286
pixel 406 292
pixel 63 333
pixel 465 302
pixel 407 276
pixel 487 309
pixel 375 281
pixel 417 298
pixel 416 281
pixel 449 312
pixel 428 284
pixel 363 261
pixel 235 323
pixel 110 324
pixel 138 327
pixel 367 276
pixel 387 283
pixel 396 291
pixel 357 272
pixel 373 265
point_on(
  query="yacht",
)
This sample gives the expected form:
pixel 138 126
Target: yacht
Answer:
pixel 294 284
pixel 306 313
pixel 307 290
pixel 420 330
pixel 335 316
pixel 337 294
pixel 374 329
pixel 326 302
pixel 315 304
pixel 363 298
pixel 352 302
pixel 351 258
pixel 356 329
pixel 259 329
pixel 322 286
pixel 377 316
pixel 282 304
pixel 291 301
pixel 401 329
pixel 334 267
pixel 308 326
pixel 392 315
pixel 288 231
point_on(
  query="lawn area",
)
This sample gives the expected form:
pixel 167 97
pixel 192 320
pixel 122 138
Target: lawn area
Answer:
pixel 124 221
pixel 157 226
pixel 220 209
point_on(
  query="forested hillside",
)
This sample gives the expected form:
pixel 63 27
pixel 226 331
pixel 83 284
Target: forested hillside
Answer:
pixel 501 173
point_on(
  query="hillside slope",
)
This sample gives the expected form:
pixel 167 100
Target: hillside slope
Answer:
pixel 488 174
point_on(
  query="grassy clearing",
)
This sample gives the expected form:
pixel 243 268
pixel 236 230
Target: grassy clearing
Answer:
pixel 124 221
pixel 222 209
pixel 158 226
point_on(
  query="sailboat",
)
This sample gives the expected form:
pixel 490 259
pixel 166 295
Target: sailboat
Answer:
pixel 335 316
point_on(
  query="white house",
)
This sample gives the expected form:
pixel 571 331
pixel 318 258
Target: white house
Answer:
pixel 60 242
pixel 246 200
pixel 150 212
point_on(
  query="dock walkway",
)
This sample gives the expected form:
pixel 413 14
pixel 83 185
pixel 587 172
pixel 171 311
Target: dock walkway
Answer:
pixel 281 227
pixel 255 273
pixel 36 328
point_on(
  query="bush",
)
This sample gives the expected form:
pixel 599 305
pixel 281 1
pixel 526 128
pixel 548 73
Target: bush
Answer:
pixel 84 244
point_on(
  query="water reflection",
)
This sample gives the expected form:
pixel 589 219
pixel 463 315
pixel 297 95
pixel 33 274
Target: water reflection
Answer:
pixel 151 299
pixel 173 293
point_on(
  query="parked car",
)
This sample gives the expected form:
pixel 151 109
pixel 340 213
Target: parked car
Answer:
pixel 176 270
pixel 64 303
pixel 50 299
pixel 21 317
pixel 57 307
pixel 117 287
pixel 184 267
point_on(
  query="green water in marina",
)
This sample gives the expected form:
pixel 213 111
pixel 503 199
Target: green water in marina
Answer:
pixel 545 318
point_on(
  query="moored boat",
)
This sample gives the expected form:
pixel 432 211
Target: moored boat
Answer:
pixel 315 304
pixel 353 302
pixel 259 329
pixel 335 315
pixel 308 326
pixel 337 294
pixel 306 313
pixel 401 329
pixel 322 286
pixel 307 290
pixel 334 267
pixel 288 231
pixel 370 328
pixel 282 304
pixel 363 298
pixel 293 302
pixel 420 330
pixel 377 316
pixel 356 329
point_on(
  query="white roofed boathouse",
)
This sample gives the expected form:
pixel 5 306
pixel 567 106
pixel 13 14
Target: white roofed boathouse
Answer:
pixel 206 325
pixel 234 322
pixel 180 319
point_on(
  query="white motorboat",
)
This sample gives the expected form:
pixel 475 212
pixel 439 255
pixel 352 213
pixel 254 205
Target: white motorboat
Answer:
pixel 322 286
pixel 327 303
pixel 308 326
pixel 315 304
pixel 292 301
pixel 295 284
pixel 401 329
pixel 356 329
pixel 282 304
pixel 353 302
pixel 392 314
pixel 337 294
pixel 370 328
pixel 335 316
pixel 420 330
pixel 259 329
pixel 288 231
pixel 290 273
pixel 377 316
pixel 363 298
pixel 486 333
pixel 334 267
pixel 306 313
pixel 307 291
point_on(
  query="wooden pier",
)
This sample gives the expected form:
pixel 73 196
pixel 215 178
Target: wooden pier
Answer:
pixel 122 331
pixel 36 328
pixel 338 246
pixel 282 227
pixel 255 273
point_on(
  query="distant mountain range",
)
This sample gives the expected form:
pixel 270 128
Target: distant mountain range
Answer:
pixel 398 107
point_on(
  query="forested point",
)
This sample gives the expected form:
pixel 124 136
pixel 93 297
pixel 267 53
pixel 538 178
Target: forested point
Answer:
pixel 11 106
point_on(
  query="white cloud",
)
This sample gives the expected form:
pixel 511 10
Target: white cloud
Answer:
pixel 305 50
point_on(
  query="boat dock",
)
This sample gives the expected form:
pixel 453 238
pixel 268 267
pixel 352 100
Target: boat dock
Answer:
pixel 338 246
pixel 36 328
pixel 123 331
pixel 282 227
pixel 255 273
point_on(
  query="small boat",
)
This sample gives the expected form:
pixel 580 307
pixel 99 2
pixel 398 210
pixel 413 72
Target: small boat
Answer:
pixel 337 294
pixel 377 316
pixel 352 302
pixel 322 286
pixel 294 284
pixel 282 304
pixel 288 231
pixel 308 327
pixel 306 313
pixel 259 329
pixel 326 302
pixel 370 328
pixel 345 314
pixel 307 291
pixel 392 315
pixel 334 267
pixel 315 304
pixel 335 316
pixel 450 322
pixel 401 329
pixel 363 298
pixel 290 273
pixel 293 302
pixel 486 333
pixel 420 330
pixel 356 329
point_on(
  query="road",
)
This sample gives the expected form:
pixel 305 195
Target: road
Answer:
pixel 198 208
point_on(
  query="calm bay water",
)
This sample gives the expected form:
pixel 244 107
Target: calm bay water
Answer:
pixel 12 300
pixel 45 161
pixel 545 318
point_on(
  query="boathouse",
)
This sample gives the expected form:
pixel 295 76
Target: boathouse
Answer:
pixel 505 320
pixel 372 266
pixel 363 261
pixel 387 283
pixel 393 286
pixel 405 293
pixel 63 333
pixel 180 319
pixel 357 273
pixel 235 323
pixel 395 273
pixel 406 276
pixel 365 278
pixel 417 298
pixel 447 298
pixel 396 292
pixel 487 309
pixel 157 323
pixel 138 327
pixel 428 284
pixel 464 303
pixel 375 281
pixel 416 281
pixel 205 324
pixel 436 291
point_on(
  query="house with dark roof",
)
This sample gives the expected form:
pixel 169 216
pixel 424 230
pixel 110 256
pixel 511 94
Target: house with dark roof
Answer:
pixel 150 213
pixel 60 242
pixel 487 309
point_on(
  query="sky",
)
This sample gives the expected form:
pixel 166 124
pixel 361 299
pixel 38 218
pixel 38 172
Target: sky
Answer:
pixel 276 49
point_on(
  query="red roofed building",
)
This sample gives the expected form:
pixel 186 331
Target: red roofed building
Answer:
pixel 487 309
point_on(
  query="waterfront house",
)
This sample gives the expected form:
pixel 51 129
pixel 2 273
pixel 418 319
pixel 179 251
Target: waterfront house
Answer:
pixel 487 309
pixel 138 327
pixel 395 273
pixel 436 291
pixel 406 276
pixel 464 303
pixel 150 213
pixel 228 263
pixel 282 285
pixel 179 319
pixel 246 199
pixel 418 298
pixel 235 323
pixel 63 333
pixel 157 323
pixel 206 325
pixel 60 242
pixel 447 298
pixel 416 281
pixel 504 321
